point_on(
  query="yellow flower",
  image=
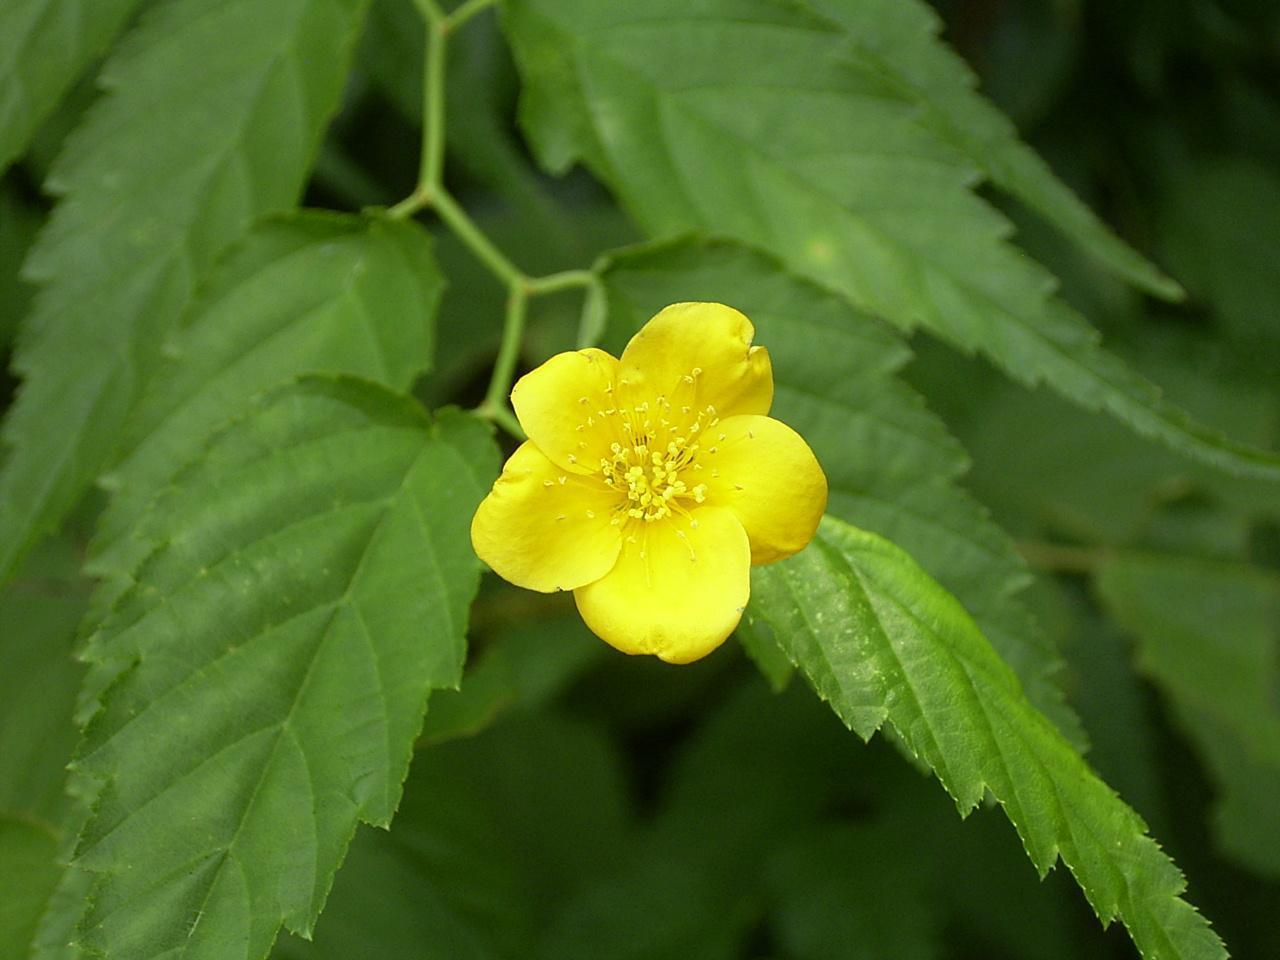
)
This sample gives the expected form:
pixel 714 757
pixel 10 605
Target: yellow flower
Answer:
pixel 649 484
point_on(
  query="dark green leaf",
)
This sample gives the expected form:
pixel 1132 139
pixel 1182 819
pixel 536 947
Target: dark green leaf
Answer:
pixel 1209 636
pixel 269 669
pixel 523 668
pixel 38 618
pixel 881 641
pixel 1222 223
pixel 19 221
pixel 831 888
pixel 167 169
pixel 758 119
pixel 28 851
pixel 38 681
pixel 491 835
pixel 44 47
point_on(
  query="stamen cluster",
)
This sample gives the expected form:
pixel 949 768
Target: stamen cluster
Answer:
pixel 651 463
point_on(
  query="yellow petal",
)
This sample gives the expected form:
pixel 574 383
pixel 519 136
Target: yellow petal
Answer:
pixel 677 591
pixel 555 402
pixel 766 474
pixel 695 354
pixel 544 528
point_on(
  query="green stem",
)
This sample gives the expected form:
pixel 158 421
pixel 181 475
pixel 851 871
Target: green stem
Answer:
pixel 407 207
pixel 431 192
pixel 504 367
pixel 554 282
pixel 457 220
pixel 431 168
pixel 465 12
pixel 504 418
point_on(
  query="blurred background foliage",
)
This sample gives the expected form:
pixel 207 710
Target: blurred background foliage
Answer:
pixel 691 812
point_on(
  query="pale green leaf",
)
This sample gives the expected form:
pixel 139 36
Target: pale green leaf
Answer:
pixel 1208 635
pixel 890 464
pixel 214 113
pixel 880 642
pixel 757 119
pixel 304 293
pixel 901 38
pixel 269 670
pixel 44 47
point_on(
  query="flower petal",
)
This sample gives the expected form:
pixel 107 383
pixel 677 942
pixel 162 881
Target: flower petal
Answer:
pixel 555 401
pixel 544 528
pixel 678 589
pixel 766 474
pixel 710 344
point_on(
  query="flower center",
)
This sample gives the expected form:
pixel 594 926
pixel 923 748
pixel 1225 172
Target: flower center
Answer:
pixel 653 464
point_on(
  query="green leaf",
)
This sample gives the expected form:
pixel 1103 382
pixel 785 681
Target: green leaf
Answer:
pixel 38 681
pixel 167 169
pixel 1208 635
pixel 492 834
pixel 19 221
pixel 44 47
pixel 830 888
pixel 881 641
pixel 890 464
pixel 901 37
pixel 523 668
pixel 1221 220
pixel 303 293
pixel 691 883
pixel 28 850
pixel 38 618
pixel 1046 466
pixel 268 672
pixel 705 120
pixel 1114 703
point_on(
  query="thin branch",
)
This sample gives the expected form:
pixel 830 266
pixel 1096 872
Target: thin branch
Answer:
pixel 465 12
pixel 504 367
pixel 555 282
pixel 486 252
